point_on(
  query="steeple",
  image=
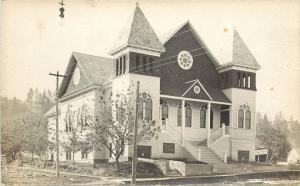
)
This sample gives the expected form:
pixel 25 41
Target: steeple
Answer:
pixel 241 55
pixel 138 34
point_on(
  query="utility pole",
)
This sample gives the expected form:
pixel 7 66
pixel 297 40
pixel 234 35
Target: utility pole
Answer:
pixel 134 159
pixel 57 140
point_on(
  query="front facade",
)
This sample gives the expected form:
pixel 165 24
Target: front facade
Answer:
pixel 206 110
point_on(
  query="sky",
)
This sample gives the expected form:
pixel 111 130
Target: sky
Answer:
pixel 34 40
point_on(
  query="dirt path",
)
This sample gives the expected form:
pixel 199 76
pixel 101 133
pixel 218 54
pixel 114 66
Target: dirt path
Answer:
pixel 29 176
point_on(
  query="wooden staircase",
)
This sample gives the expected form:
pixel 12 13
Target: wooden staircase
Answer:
pixel 198 151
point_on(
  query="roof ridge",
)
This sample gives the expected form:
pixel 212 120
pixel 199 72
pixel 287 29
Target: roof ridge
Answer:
pixel 91 55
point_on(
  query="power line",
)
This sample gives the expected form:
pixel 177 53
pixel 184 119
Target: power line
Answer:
pixel 165 63
pixel 167 58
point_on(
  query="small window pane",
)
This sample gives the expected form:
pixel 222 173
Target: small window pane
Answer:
pixel 248 119
pixel 188 117
pixel 164 111
pixel 144 63
pixel 249 81
pixel 179 115
pixel 241 119
pixel 137 61
pixel 202 118
pixel 148 109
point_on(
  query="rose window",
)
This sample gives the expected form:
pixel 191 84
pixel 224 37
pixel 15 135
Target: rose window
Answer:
pixel 185 60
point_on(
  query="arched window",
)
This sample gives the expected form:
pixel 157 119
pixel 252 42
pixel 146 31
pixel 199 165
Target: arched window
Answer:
pixel 202 118
pixel 188 115
pixel 145 106
pixel 248 119
pixel 239 79
pixel 244 80
pixel 148 109
pixel 164 109
pixel 140 108
pixel 249 81
pixel 244 117
pixel 179 115
pixel 241 118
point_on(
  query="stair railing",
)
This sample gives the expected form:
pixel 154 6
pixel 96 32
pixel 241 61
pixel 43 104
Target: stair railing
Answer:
pixel 217 134
pixel 172 131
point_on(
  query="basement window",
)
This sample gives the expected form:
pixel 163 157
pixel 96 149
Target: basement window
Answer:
pixel 169 148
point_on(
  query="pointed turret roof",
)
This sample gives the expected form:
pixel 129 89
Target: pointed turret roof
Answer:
pixel 241 55
pixel 138 33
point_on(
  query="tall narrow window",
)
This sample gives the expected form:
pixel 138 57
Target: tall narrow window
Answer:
pixel 121 66
pixel 211 119
pixel 124 64
pixel 244 80
pixel 117 67
pixel 202 118
pixel 249 81
pixel 145 106
pixel 241 118
pixel 151 64
pixel 144 64
pixel 137 62
pixel 188 116
pixel 179 115
pixel 248 119
pixel 148 109
pixel 164 109
pixel 140 108
pixel 239 79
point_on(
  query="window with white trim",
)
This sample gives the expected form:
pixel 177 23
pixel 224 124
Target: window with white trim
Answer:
pixel 203 116
pixel 145 106
pixel 244 117
pixel 188 115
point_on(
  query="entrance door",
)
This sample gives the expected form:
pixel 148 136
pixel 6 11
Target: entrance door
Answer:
pixel 144 151
pixel 243 156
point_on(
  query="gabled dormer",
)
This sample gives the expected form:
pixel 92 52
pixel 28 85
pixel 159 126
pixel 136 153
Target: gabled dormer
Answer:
pixel 241 71
pixel 137 46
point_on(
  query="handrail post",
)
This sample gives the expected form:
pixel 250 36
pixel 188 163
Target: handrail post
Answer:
pixel 223 128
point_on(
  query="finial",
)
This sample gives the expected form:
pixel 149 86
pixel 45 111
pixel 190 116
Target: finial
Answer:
pixel 137 3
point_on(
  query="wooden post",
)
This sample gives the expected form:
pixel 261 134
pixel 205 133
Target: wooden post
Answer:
pixel 57 112
pixel 134 158
pixel 208 123
pixel 182 120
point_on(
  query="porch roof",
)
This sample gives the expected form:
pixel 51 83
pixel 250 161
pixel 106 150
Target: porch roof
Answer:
pixel 196 100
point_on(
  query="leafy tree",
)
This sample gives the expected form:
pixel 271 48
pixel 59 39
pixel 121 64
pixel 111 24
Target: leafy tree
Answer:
pixel 74 140
pixel 274 137
pixel 112 125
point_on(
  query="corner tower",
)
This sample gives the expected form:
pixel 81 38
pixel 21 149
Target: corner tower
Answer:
pixel 137 46
pixel 238 82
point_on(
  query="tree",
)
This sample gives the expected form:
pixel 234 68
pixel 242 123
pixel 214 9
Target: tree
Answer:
pixel 274 137
pixel 35 136
pixel 112 125
pixel 74 140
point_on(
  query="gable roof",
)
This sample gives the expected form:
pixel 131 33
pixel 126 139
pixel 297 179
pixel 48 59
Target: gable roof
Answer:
pixel 198 39
pixel 97 70
pixel 138 33
pixel 194 83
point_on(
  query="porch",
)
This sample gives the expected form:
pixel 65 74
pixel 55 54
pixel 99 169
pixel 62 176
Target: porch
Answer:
pixel 197 126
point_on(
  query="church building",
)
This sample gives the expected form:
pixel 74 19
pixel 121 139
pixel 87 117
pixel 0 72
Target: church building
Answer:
pixel 205 109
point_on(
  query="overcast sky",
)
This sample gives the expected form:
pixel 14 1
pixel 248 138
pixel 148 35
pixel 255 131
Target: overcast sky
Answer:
pixel 35 41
